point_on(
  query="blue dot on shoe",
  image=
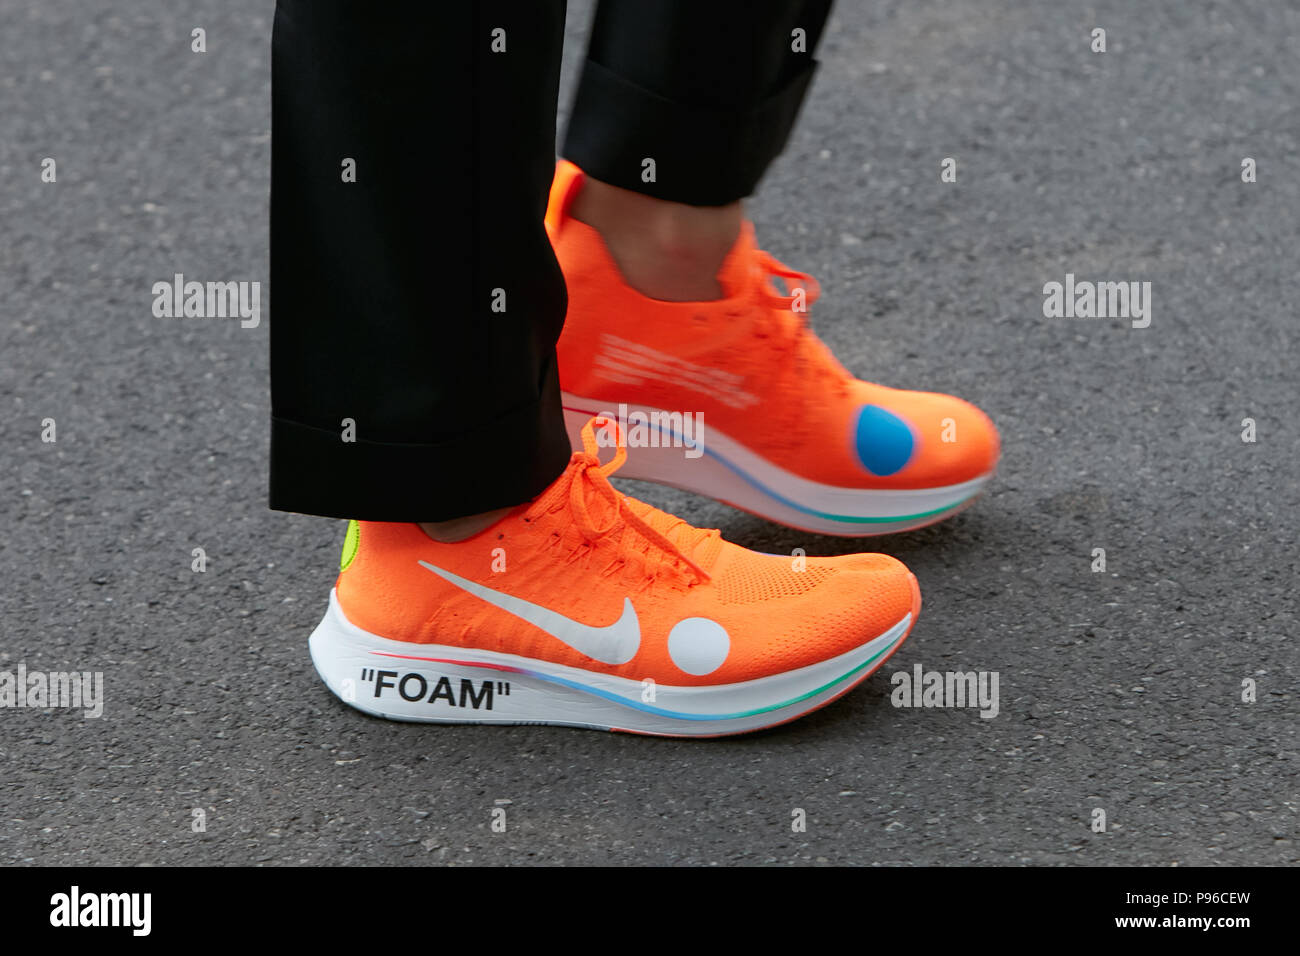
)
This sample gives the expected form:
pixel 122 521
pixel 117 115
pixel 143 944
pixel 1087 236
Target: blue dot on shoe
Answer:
pixel 884 441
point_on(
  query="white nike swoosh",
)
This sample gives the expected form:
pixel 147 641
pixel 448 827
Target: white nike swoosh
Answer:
pixel 615 644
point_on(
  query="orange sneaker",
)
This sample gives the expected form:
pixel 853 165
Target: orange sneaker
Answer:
pixel 590 609
pixel 737 399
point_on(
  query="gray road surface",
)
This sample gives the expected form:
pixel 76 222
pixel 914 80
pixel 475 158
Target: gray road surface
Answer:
pixel 1120 690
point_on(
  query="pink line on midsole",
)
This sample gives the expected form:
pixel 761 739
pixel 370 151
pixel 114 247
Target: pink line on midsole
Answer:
pixel 448 660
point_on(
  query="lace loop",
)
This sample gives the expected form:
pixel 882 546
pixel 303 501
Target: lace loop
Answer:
pixel 772 267
pixel 789 325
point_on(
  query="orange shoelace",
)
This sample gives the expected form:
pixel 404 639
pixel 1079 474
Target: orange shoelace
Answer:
pixel 788 324
pixel 587 477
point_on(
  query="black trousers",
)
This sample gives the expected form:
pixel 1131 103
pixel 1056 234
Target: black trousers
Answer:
pixel 415 299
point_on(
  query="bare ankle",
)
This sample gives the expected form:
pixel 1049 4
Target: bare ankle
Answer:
pixel 459 529
pixel 665 250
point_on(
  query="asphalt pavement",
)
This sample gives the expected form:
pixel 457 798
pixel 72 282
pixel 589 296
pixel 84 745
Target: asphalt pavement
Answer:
pixel 1121 690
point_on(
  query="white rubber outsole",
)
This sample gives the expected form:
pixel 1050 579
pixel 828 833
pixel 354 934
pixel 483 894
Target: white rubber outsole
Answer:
pixel 727 471
pixel 436 683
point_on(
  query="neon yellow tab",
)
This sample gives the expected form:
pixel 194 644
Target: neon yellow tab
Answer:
pixel 350 543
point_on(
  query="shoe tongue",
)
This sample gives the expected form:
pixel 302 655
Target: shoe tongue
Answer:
pixel 737 271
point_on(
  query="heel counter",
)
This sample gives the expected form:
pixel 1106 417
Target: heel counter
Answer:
pixel 380 585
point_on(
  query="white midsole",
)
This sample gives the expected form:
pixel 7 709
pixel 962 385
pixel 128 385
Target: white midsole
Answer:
pixel 386 677
pixel 727 470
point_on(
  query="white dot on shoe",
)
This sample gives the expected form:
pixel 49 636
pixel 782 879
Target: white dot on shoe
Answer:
pixel 698 645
